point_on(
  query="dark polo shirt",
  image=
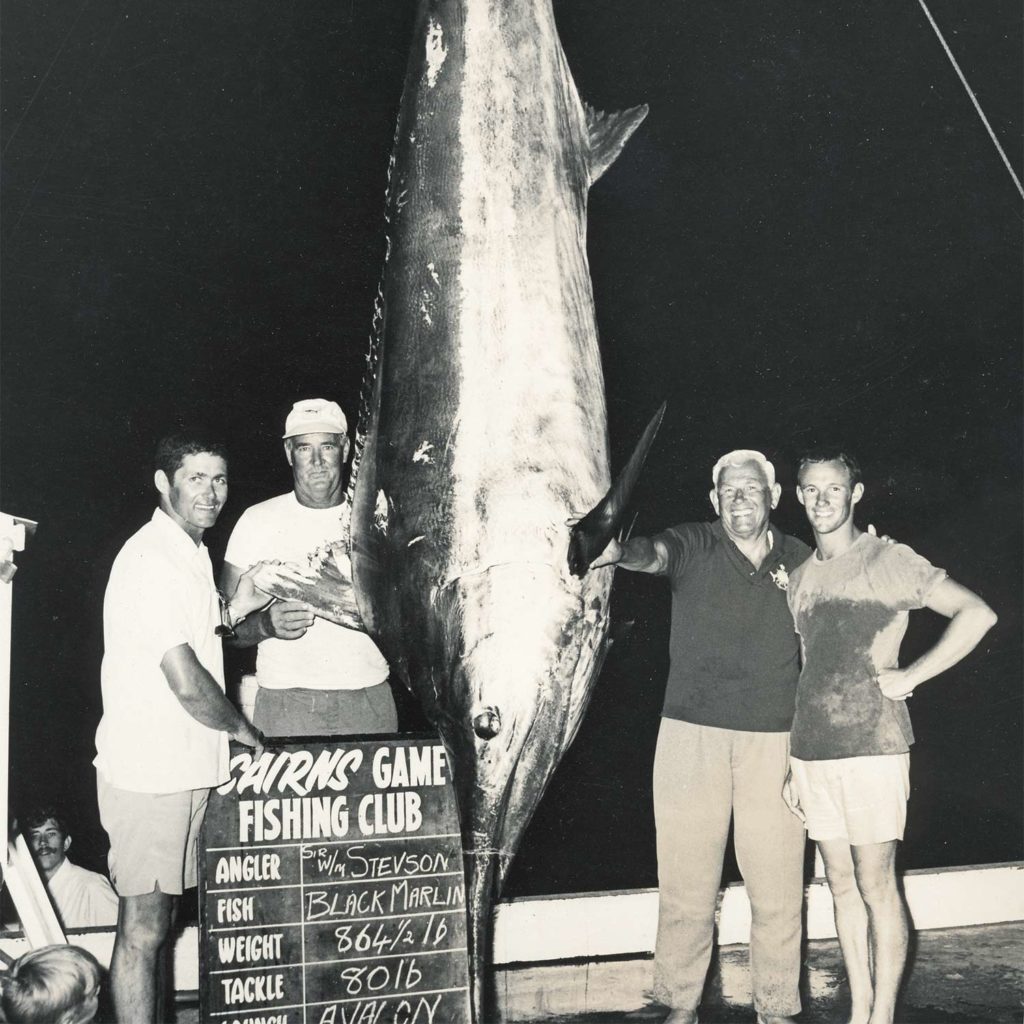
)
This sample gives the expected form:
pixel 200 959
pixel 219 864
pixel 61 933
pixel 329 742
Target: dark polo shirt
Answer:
pixel 734 655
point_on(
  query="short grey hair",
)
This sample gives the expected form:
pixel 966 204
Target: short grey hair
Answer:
pixel 737 458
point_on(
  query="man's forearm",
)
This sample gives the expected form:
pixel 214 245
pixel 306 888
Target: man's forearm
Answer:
pixel 640 554
pixel 200 694
pixel 251 630
pixel 207 704
pixel 961 636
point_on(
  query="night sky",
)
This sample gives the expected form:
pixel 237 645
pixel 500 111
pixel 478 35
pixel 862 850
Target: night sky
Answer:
pixel 812 237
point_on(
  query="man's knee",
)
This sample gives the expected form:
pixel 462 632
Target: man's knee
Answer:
pixel 877 886
pixel 875 867
pixel 145 921
pixel 777 911
pixel 842 879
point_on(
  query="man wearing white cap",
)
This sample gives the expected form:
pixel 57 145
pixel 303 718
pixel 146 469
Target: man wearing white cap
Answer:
pixel 315 677
pixel 723 746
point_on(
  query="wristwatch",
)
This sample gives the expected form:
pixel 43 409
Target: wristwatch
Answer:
pixel 228 619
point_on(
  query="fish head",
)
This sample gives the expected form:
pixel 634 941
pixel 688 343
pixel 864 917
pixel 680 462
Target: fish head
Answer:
pixel 512 663
pixel 506 695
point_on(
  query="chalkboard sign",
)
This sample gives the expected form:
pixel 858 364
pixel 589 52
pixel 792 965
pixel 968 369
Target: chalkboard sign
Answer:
pixel 331 887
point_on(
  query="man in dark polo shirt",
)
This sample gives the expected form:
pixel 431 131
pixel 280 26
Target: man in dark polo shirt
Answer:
pixel 723 746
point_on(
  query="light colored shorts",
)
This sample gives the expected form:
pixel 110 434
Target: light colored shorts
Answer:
pixel 152 838
pixel 860 799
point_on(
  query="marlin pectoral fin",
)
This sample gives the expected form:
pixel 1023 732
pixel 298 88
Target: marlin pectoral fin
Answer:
pixel 591 534
pixel 608 134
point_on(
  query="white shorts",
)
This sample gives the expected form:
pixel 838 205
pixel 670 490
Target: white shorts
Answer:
pixel 152 838
pixel 860 799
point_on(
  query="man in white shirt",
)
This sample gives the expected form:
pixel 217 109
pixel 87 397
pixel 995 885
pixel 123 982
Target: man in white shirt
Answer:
pixel 82 899
pixel 163 740
pixel 315 678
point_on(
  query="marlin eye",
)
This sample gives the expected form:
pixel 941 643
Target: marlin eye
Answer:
pixel 487 724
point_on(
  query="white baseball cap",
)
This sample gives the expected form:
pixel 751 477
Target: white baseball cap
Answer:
pixel 315 416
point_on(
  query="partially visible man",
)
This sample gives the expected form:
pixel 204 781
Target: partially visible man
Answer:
pixel 851 733
pixel 315 677
pixel 723 746
pixel 82 899
pixel 163 740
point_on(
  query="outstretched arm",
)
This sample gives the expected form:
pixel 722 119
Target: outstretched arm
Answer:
pixel 970 619
pixel 639 554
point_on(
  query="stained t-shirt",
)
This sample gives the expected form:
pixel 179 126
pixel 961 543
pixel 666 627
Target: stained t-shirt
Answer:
pixel 734 658
pixel 851 613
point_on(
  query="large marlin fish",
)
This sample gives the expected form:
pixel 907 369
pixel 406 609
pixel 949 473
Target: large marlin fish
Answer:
pixel 483 427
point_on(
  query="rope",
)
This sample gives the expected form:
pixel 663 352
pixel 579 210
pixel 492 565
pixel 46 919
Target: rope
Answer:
pixel 977 106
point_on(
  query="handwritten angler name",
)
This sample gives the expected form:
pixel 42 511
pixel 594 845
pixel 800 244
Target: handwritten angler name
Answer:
pixel 393 809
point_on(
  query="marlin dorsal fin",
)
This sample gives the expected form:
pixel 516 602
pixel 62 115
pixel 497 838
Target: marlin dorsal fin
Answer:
pixel 608 134
pixel 591 534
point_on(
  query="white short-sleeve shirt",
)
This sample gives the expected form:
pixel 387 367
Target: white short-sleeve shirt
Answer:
pixel 84 899
pixel 160 595
pixel 327 656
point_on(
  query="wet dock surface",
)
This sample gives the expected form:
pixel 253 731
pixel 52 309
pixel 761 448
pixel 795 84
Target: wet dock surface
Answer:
pixel 961 975
pixel 956 976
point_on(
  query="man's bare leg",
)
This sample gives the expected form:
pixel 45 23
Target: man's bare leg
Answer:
pixel 875 866
pixel 143 925
pixel 851 925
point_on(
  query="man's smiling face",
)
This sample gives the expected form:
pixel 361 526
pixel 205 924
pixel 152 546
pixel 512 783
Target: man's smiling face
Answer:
pixel 196 495
pixel 743 500
pixel 827 495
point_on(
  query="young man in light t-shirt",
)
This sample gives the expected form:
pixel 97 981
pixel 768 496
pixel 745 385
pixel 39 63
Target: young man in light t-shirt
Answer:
pixel 851 733
pixel 315 677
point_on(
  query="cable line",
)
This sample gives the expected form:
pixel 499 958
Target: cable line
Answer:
pixel 977 106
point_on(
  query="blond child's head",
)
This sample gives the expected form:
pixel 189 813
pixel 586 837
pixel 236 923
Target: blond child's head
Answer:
pixel 51 985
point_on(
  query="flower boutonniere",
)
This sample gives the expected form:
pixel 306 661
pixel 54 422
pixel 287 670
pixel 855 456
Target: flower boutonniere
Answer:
pixel 780 578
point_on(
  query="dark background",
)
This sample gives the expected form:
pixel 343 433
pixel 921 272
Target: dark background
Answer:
pixel 812 236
